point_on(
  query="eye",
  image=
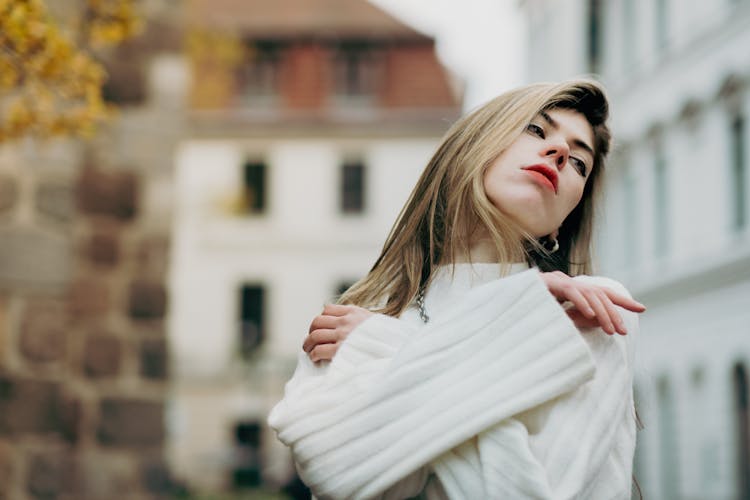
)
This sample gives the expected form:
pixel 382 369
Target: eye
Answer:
pixel 535 129
pixel 579 164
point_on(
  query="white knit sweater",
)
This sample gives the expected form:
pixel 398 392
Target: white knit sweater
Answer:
pixel 499 396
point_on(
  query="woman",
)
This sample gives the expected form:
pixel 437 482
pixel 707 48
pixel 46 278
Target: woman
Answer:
pixel 468 364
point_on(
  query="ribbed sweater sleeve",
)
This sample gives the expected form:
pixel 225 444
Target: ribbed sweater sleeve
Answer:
pixel 579 446
pixel 396 397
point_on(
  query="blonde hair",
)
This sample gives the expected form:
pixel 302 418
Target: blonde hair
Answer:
pixel 448 205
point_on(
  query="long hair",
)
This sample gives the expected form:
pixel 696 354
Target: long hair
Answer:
pixel 448 206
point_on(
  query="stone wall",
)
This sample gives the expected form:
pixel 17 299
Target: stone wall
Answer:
pixel 83 352
pixel 84 232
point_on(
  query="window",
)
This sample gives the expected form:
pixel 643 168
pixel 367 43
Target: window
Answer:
pixel 630 210
pixel 258 78
pixel 662 25
pixel 247 463
pixel 742 425
pixel 661 203
pixel 126 77
pixel 594 34
pixel 352 188
pixel 255 187
pixel 738 175
pixel 640 464
pixel 252 298
pixel 668 440
pixel 629 38
pixel 355 70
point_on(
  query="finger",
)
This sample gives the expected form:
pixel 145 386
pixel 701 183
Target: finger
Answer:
pixel 614 316
pixel 601 312
pixel 323 352
pixel 324 322
pixel 580 320
pixel 624 301
pixel 580 302
pixel 319 337
pixel 336 309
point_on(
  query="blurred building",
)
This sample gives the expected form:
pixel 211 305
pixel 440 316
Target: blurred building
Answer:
pixel 676 225
pixel 305 141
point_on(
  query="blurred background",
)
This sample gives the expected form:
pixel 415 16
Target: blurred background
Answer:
pixel 185 183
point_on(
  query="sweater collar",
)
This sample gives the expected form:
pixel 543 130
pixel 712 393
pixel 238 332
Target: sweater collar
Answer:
pixel 476 273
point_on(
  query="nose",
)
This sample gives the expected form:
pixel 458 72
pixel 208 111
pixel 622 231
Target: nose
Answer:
pixel 558 152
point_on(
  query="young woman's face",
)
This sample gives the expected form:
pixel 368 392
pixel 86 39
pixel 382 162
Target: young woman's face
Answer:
pixel 540 178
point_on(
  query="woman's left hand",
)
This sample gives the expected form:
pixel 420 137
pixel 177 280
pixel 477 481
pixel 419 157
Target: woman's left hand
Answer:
pixel 330 328
pixel 593 306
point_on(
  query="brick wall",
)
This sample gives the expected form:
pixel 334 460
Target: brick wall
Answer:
pixel 406 74
pixel 305 76
pixel 83 353
pixel 83 306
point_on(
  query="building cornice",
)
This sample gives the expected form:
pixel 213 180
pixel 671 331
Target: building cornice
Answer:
pixel 694 74
pixel 431 122
pixel 671 283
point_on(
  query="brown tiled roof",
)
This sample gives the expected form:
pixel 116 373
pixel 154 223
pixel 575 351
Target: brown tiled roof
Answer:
pixel 284 18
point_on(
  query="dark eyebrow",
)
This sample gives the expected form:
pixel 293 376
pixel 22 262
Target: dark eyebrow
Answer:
pixel 578 142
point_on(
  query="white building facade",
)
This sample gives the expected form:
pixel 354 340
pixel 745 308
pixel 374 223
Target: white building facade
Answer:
pixel 675 226
pixel 293 257
pixel 285 194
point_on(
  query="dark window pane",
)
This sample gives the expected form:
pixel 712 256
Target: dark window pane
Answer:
pixel 594 34
pixel 669 440
pixel 631 208
pixel 255 187
pixel 661 203
pixel 126 82
pixel 662 25
pixel 355 71
pixel 247 434
pixel 742 429
pixel 258 77
pixel 629 33
pixel 353 188
pixel 251 320
pixel 739 194
pixel 247 464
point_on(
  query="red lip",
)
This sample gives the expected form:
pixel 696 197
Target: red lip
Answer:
pixel 547 171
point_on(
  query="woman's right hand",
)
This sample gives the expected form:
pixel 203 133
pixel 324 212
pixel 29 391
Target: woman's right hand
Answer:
pixel 329 329
pixel 592 305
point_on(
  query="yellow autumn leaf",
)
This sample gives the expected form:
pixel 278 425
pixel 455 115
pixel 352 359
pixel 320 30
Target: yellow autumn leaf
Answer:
pixel 50 84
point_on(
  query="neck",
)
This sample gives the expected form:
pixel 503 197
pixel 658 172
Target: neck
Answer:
pixel 481 251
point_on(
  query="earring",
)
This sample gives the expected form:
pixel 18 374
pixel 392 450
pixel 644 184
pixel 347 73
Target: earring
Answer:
pixel 551 244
